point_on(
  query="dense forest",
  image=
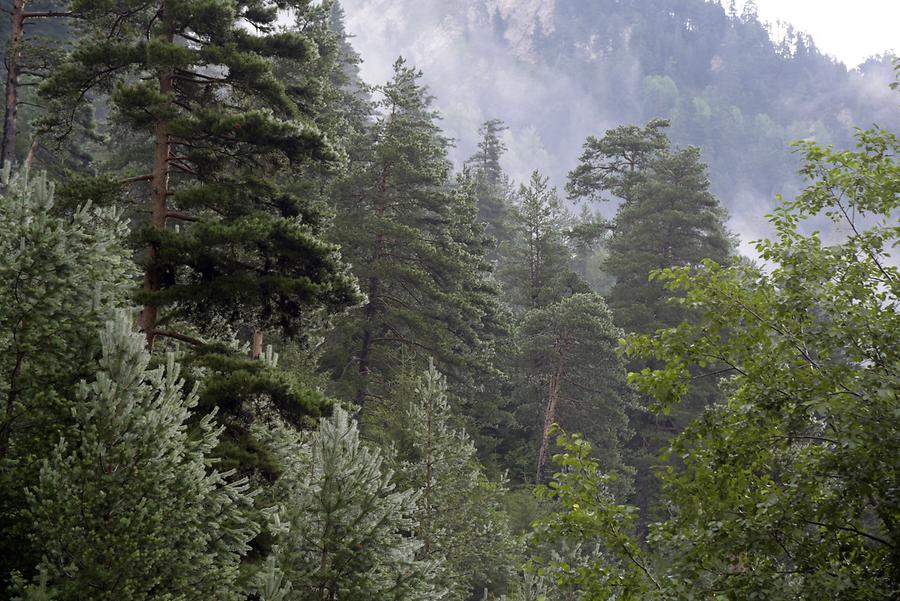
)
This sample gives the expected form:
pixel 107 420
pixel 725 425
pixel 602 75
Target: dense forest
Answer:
pixel 267 333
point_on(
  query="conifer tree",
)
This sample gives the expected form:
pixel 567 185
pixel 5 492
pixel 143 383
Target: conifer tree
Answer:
pixel 223 239
pixel 27 55
pixel 668 218
pixel 412 236
pixel 492 187
pixel 342 528
pixel 535 264
pixel 615 163
pixel 129 506
pixel 61 276
pixel 228 249
pixel 460 515
pixel 568 354
pixel 672 220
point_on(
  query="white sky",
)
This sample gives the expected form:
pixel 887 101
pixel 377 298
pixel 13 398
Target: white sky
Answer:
pixel 851 30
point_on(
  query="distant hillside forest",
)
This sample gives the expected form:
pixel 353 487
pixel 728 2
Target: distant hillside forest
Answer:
pixel 269 333
pixel 553 70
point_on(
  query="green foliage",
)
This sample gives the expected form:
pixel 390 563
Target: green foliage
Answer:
pixel 787 489
pixel 615 163
pixel 586 545
pixel 572 375
pixel 492 186
pixel 535 264
pixel 790 487
pixel 342 529
pixel 241 388
pixel 668 218
pixel 128 505
pixel 61 276
pixel 412 236
pixel 460 512
pixel 225 241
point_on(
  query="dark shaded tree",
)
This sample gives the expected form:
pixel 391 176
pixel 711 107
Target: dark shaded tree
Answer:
pixel 412 235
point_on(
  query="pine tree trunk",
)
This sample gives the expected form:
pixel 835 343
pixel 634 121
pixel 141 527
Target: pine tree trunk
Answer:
pixel 14 53
pixel 549 420
pixel 159 188
pixel 256 353
pixel 365 351
pixel 29 158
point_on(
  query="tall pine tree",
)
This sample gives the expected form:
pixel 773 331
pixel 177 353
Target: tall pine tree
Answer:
pixel 667 218
pixel 411 234
pixel 223 239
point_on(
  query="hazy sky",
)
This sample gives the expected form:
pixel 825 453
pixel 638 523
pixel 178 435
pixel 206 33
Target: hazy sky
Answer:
pixel 850 30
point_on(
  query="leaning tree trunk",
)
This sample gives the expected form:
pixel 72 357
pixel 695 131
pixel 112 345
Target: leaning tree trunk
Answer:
pixel 14 54
pixel 553 394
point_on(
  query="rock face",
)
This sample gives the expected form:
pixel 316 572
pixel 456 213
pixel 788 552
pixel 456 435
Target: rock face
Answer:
pixel 525 20
pixel 559 70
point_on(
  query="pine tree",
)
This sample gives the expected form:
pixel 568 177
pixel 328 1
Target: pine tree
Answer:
pixel 460 514
pixel 535 264
pixel 61 275
pixel 200 83
pixel 229 251
pixel 668 218
pixel 412 236
pixel 672 220
pixel 492 186
pixel 27 55
pixel 615 163
pixel 128 506
pixel 342 528
pixel 573 374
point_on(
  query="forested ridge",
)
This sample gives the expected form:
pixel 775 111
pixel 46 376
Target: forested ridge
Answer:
pixel 736 86
pixel 263 336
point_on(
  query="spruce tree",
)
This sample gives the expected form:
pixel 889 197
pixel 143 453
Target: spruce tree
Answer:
pixel 129 506
pixel 412 236
pixel 342 528
pixel 61 276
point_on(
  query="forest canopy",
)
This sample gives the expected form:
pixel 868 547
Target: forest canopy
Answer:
pixel 265 337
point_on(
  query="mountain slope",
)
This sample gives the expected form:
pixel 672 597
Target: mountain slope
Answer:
pixel 559 70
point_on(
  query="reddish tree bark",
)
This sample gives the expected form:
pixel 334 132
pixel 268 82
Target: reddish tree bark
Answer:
pixel 159 188
pixel 553 395
pixel 13 55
